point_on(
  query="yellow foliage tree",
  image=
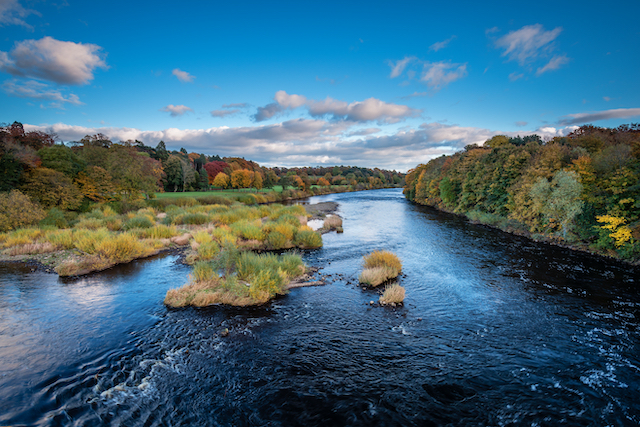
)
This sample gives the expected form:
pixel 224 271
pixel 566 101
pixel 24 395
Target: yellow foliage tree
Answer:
pixel 620 233
pixel 221 180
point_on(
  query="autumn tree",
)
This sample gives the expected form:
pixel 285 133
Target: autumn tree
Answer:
pixel 51 189
pixel 221 180
pixel 214 168
pixel 96 184
pixel 61 158
pixel 17 210
pixel 323 182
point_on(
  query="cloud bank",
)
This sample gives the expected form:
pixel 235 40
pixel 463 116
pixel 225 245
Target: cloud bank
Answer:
pixel 371 109
pixel 582 118
pixel 53 60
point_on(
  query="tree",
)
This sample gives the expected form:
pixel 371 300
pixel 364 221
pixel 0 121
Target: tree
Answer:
pixel 297 182
pixel 188 175
pixel 496 141
pixel 214 168
pixel 52 189
pixel 323 182
pixel 62 159
pixel 17 210
pixel 271 179
pixel 559 200
pixel 241 178
pixel 173 171
pixel 257 180
pixel 203 180
pixel 221 180
pixel 161 152
pixel 95 184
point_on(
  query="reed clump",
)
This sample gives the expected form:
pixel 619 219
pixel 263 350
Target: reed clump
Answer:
pixel 392 295
pixel 379 267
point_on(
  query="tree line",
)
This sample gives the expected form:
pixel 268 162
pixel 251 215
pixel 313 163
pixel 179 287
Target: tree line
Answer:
pixel 39 172
pixel 582 189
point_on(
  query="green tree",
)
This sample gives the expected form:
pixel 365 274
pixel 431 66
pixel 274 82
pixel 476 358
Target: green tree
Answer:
pixel 559 200
pixel 62 159
pixel 173 172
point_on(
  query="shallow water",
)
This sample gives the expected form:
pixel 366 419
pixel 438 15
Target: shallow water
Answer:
pixel 495 330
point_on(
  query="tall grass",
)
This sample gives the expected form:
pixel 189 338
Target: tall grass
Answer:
pixel 393 294
pixel 380 266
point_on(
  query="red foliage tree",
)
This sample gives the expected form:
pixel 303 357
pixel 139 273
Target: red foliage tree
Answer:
pixel 214 168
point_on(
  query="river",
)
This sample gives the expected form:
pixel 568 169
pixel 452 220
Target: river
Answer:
pixel 495 330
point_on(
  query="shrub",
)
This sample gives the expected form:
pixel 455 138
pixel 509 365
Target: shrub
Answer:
pixel 55 217
pixel 286 229
pixel 277 240
pixel 113 223
pixel 308 239
pixel 60 238
pixel 86 240
pixel 139 221
pixel 248 230
pixel 384 259
pixel 332 222
pixel 202 271
pixel 17 210
pixel 393 294
pixel 196 218
pixel 161 232
pixel 214 200
pixel 120 248
pixel 208 250
pixel 21 236
pixel 247 199
pixel 227 258
pixel 89 223
pixel 202 237
pixel 266 284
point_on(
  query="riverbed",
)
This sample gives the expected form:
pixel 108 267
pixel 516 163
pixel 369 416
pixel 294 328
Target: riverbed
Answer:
pixel 495 330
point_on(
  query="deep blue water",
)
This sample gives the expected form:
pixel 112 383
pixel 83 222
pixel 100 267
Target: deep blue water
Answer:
pixel 495 330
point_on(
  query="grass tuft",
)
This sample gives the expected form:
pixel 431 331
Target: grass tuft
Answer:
pixel 393 294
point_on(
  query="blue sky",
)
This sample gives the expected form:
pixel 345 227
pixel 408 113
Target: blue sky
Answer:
pixel 381 84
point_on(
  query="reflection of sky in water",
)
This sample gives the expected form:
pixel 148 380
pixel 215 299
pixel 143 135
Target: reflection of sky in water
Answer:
pixel 46 322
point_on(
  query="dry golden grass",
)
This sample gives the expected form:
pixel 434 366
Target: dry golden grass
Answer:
pixel 30 249
pixel 393 294
pixel 84 265
pixel 21 236
pixel 332 222
pixel 384 259
pixel 376 276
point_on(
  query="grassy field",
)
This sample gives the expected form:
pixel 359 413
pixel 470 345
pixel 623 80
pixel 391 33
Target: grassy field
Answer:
pixel 223 193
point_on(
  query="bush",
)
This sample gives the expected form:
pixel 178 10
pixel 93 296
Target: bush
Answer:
pixel 214 200
pixel 55 218
pixel 393 294
pixel 17 210
pixel 139 221
pixel 202 236
pixel 202 271
pixel 21 236
pixel 308 239
pixel 87 240
pixel 208 250
pixel 161 232
pixel 60 238
pixel 196 218
pixel 89 223
pixel 266 284
pixel 248 230
pixel 120 248
pixel 277 240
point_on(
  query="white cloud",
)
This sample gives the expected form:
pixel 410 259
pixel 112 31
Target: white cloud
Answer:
pixel 38 90
pixel 582 118
pixel 527 43
pixel 555 63
pixel 54 60
pixel 398 68
pixel 515 76
pixel 606 98
pixel 360 111
pixel 176 110
pixel 436 75
pixel 183 76
pixel 236 105
pixel 223 113
pixel 304 142
pixel 12 13
pixel 521 124
pixel 441 45
pixel 439 74
pixel 414 95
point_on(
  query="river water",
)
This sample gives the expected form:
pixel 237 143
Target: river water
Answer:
pixel 495 330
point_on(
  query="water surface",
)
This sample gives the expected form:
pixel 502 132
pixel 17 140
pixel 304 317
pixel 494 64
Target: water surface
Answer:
pixel 495 330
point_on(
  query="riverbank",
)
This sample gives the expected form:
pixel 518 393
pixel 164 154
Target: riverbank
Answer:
pixel 540 238
pixel 102 239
